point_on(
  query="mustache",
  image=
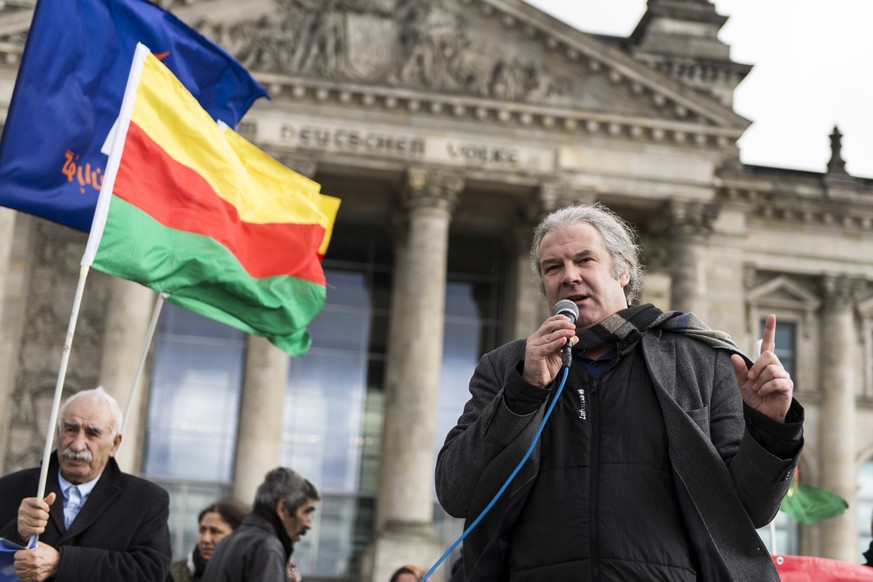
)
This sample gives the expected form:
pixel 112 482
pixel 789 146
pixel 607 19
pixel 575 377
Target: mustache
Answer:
pixel 85 455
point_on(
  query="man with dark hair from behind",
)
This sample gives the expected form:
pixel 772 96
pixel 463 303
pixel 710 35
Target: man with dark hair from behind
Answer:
pixel 259 550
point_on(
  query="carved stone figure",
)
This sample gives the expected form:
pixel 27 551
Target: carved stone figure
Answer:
pixel 418 43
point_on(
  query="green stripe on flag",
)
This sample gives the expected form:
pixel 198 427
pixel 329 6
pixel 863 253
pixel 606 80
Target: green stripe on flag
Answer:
pixel 201 275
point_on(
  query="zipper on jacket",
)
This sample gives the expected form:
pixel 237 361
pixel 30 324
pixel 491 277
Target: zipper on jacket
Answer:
pixel 594 418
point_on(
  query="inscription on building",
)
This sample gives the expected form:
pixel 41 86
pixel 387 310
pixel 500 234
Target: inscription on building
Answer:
pixel 352 140
pixel 428 148
pixel 489 155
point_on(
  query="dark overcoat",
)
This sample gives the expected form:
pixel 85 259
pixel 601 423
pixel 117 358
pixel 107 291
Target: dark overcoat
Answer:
pixel 120 534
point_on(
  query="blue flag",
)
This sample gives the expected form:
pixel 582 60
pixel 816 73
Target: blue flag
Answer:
pixel 7 558
pixel 69 89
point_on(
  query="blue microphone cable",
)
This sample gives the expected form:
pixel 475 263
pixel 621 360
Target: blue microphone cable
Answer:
pixel 565 371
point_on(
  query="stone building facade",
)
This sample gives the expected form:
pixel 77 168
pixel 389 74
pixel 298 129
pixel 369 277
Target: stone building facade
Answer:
pixel 448 128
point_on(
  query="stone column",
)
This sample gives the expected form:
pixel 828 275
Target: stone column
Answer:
pixel 259 435
pixel 690 224
pixel 404 515
pixel 128 315
pixel 14 244
pixel 838 418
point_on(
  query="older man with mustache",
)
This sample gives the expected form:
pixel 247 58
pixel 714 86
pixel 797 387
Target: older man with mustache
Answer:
pixel 95 523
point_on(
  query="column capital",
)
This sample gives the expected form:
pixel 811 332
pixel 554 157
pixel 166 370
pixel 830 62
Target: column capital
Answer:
pixel 692 217
pixel 431 188
pixel 842 290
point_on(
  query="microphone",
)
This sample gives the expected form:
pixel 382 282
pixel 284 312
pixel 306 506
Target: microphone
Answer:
pixel 569 310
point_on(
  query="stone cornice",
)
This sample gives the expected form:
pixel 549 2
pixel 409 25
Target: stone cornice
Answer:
pixel 516 114
pixel 802 202
pixel 692 11
pixel 696 71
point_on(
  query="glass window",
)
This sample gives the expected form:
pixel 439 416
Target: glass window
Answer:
pixel 332 414
pixel 332 422
pixel 473 326
pixel 334 400
pixel 187 500
pixel 192 417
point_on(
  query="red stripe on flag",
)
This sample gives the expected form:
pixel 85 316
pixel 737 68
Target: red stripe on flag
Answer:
pixel 178 197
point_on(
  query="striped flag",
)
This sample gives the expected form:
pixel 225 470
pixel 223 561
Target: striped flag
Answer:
pixel 190 208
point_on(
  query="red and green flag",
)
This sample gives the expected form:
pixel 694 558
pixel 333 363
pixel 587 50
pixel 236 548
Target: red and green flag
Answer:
pixel 191 209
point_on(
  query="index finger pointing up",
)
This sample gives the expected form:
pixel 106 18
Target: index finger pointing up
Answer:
pixel 768 344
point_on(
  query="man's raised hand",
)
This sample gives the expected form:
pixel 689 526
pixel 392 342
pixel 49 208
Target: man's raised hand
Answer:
pixel 766 386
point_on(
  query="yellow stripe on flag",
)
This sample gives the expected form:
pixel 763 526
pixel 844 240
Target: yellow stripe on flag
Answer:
pixel 170 116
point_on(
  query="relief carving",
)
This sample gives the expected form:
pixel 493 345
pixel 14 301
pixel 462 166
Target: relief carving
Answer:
pixel 419 43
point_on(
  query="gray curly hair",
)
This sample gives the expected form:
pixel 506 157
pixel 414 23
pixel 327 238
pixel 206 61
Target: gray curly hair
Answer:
pixel 619 238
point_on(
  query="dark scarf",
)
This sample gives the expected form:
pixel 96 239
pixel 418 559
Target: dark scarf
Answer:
pixel 625 328
pixel 279 528
pixel 198 563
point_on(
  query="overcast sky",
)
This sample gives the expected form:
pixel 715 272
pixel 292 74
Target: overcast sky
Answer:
pixel 813 69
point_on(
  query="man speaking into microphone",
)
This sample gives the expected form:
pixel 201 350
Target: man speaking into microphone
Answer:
pixel 665 450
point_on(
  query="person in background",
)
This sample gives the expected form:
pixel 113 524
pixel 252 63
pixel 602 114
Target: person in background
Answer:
pixel 407 574
pixel 95 522
pixel 261 547
pixel 665 450
pixel 868 555
pixel 215 522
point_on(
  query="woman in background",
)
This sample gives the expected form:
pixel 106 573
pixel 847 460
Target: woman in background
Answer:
pixel 215 522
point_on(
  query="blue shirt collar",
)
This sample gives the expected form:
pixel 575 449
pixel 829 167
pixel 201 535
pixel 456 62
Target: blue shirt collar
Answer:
pixel 84 488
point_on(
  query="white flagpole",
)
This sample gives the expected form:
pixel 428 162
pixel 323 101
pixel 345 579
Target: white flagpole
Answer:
pixel 91 249
pixel 773 537
pixel 115 145
pixel 153 324
pixel 59 387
